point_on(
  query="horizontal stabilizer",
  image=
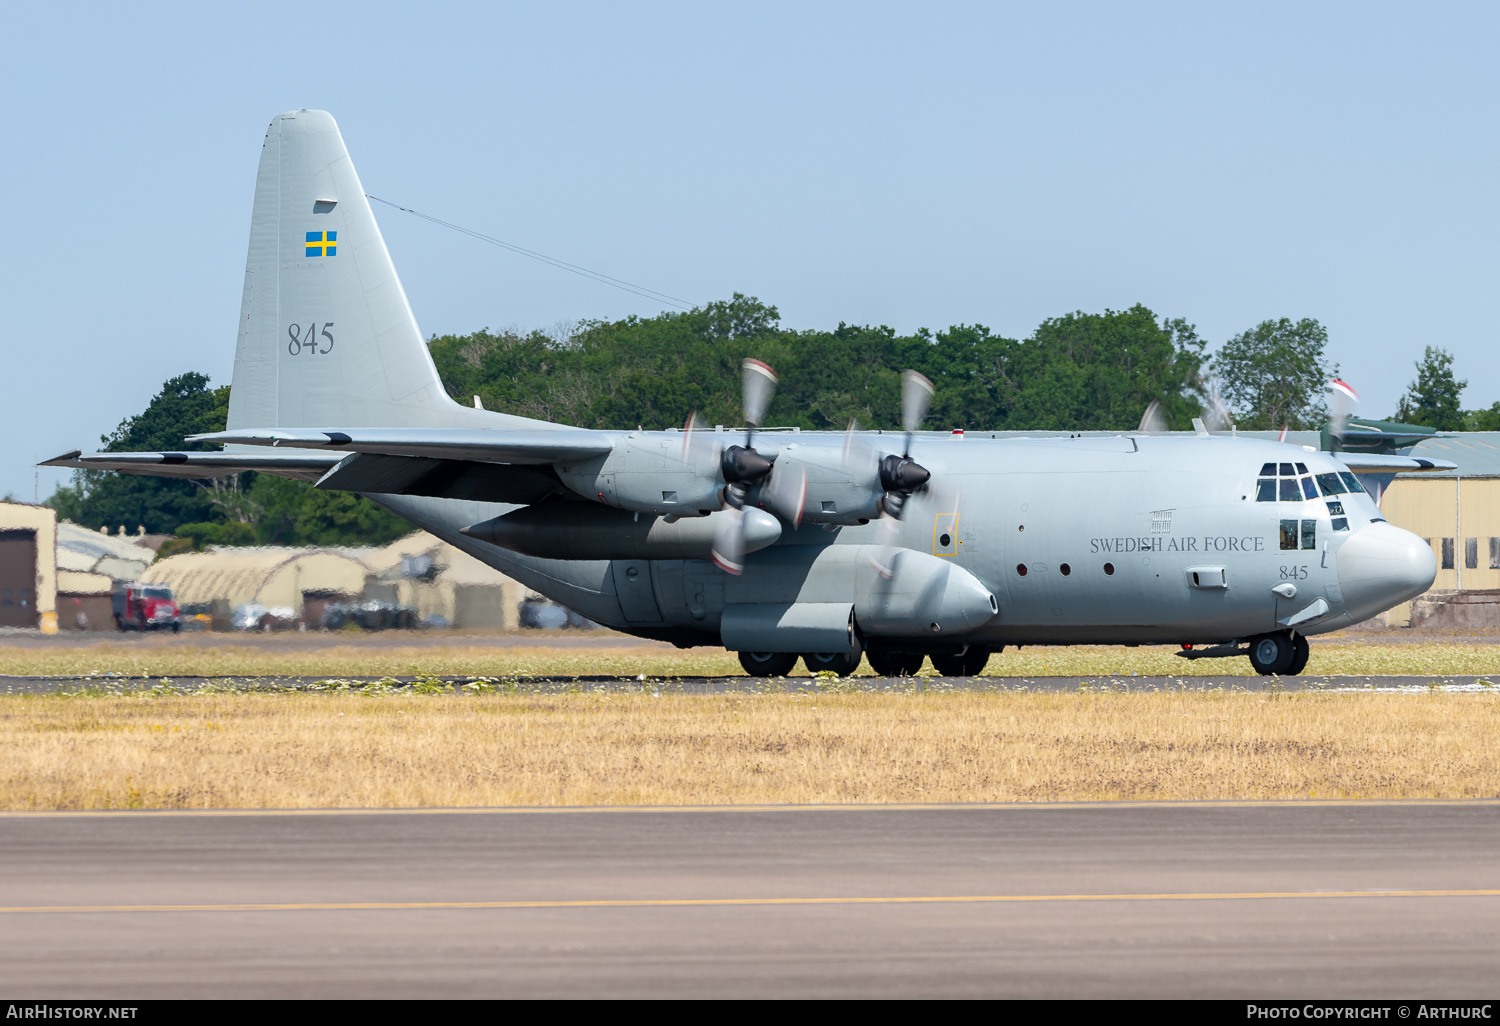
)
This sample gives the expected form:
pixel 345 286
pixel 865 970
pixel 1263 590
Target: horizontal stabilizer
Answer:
pixel 304 466
pixel 1375 463
pixel 535 447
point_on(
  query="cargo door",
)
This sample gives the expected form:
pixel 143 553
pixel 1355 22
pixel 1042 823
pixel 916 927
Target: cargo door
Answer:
pixel 633 586
pixel 18 579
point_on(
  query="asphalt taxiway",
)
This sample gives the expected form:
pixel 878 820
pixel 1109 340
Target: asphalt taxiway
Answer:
pixel 718 685
pixel 1228 899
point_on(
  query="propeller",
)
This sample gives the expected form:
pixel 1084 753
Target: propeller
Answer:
pixel 1342 400
pixel 742 468
pixel 700 450
pixel 1153 422
pixel 900 476
pixel 1216 414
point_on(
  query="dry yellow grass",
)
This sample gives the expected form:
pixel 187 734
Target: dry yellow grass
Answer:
pixel 359 750
pixel 195 658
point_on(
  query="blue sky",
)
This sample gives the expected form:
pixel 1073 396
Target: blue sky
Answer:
pixel 912 165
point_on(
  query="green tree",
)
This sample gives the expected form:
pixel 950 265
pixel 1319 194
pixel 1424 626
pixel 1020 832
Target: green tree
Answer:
pixel 185 405
pixel 1077 371
pixel 1483 420
pixel 1432 399
pixel 1276 374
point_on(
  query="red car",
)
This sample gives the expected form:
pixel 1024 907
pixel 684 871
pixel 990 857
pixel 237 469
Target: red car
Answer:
pixel 146 607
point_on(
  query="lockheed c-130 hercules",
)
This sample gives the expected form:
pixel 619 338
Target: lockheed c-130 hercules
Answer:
pixel 824 546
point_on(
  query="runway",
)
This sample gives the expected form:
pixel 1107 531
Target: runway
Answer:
pixel 1225 900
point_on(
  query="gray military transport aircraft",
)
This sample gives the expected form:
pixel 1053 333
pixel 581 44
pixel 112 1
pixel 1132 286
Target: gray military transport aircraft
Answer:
pixel 826 546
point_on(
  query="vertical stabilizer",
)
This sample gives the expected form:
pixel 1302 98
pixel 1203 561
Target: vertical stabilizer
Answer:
pixel 326 337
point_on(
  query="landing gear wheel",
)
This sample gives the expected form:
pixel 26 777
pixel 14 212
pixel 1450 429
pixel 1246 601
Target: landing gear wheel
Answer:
pixel 970 662
pixel 768 664
pixel 1272 654
pixel 841 663
pixel 895 664
pixel 1300 652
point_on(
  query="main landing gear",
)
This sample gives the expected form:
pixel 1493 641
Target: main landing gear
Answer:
pixel 969 661
pixel 780 664
pixel 894 664
pixel 1283 654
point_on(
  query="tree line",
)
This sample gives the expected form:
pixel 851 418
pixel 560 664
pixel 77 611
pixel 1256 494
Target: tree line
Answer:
pixel 1079 371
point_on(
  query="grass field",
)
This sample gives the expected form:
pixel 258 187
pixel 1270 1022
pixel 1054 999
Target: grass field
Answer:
pixel 184 657
pixel 465 749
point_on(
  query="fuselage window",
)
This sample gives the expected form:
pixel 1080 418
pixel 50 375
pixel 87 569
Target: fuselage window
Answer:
pixel 1289 534
pixel 1265 489
pixel 1351 481
pixel 1309 534
pixel 1268 470
pixel 1308 491
pixel 1289 490
pixel 1287 471
pixel 1302 468
pixel 1336 508
pixel 1340 523
pixel 1331 484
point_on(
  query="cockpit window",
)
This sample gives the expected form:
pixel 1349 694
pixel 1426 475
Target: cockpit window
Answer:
pixel 1331 484
pixel 1351 481
pixel 1297 483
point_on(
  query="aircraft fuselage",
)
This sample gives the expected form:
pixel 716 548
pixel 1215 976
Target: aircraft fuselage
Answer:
pixel 1135 539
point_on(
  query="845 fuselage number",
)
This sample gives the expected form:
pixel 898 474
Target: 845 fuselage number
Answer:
pixel 311 341
pixel 1294 573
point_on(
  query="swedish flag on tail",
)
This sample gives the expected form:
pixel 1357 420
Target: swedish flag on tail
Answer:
pixel 322 244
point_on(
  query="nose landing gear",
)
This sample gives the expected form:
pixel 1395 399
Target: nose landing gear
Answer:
pixel 1283 654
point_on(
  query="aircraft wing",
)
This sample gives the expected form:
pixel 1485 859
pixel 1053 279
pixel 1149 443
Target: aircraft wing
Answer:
pixel 304 466
pixel 1377 463
pixel 484 446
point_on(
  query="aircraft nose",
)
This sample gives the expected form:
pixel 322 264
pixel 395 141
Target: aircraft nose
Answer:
pixel 1381 566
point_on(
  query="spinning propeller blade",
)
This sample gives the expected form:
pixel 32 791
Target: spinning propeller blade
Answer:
pixel 742 468
pixel 916 398
pixel 1342 400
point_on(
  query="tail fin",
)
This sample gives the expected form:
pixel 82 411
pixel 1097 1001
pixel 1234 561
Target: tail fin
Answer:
pixel 326 335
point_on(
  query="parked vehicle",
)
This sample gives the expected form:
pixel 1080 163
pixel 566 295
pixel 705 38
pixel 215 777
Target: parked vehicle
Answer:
pixel 145 607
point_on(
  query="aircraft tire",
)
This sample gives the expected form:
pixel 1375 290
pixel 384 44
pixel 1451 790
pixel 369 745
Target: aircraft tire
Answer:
pixel 1300 652
pixel 1272 654
pixel 894 664
pixel 767 664
pixel 841 663
pixel 968 663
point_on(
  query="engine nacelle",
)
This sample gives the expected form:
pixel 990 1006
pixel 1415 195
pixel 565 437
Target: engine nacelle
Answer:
pixel 649 474
pixel 840 489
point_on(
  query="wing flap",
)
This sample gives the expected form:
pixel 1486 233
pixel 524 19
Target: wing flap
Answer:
pixel 485 446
